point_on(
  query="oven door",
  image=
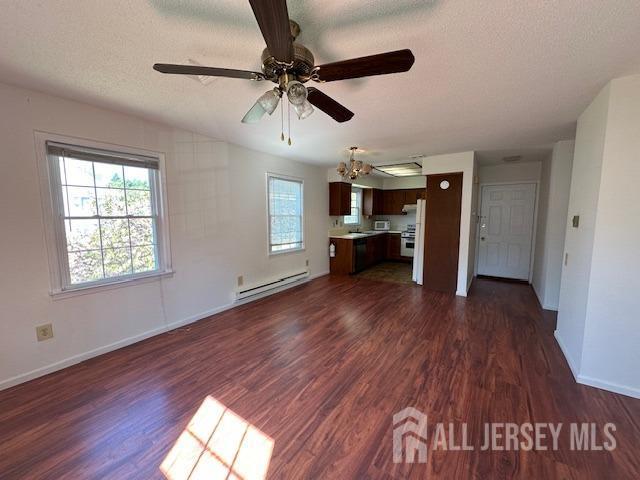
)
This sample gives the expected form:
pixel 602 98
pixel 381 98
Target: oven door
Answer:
pixel 407 247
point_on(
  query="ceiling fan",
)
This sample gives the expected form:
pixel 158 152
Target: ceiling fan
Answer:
pixel 290 65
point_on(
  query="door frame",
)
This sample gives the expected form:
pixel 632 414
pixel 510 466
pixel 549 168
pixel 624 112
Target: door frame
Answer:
pixel 536 184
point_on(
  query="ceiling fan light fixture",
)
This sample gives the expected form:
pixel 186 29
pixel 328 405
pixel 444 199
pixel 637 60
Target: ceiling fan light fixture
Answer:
pixel 296 93
pixel 269 100
pixel 304 110
pixel 254 114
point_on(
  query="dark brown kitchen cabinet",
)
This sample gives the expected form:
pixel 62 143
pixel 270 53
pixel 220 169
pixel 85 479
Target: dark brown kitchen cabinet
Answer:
pixel 411 196
pixel 393 201
pixel 343 262
pixel 372 202
pixel 339 198
pixel 393 246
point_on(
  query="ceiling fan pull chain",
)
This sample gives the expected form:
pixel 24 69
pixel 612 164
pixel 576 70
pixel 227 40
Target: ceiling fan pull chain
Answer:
pixel 289 120
pixel 282 120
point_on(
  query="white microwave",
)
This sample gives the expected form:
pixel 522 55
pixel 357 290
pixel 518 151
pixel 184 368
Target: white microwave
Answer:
pixel 382 225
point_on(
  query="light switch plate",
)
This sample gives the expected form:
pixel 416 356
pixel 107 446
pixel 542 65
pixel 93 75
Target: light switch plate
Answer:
pixel 576 221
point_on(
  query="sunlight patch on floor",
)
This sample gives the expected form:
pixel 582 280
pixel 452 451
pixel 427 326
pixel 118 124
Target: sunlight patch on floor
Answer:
pixel 218 444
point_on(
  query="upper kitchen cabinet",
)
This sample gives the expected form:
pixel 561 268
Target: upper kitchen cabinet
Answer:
pixel 411 196
pixel 372 202
pixel 393 201
pixel 339 198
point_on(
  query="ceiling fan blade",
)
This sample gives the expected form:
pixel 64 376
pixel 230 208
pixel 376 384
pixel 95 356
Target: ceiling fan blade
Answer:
pixel 207 71
pixel 328 105
pixel 273 20
pixel 381 64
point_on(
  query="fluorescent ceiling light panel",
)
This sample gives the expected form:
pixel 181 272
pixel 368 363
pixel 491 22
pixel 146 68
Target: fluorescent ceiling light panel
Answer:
pixel 401 169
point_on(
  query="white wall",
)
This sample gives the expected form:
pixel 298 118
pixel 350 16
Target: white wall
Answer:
pixel 389 183
pixel 598 321
pixel 464 162
pixel 217 208
pixel 553 204
pixel 611 352
pixel 538 276
pixel 473 224
pixel 583 201
pixel 510 172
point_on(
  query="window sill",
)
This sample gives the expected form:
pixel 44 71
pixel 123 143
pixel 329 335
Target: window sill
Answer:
pixel 284 252
pixel 125 282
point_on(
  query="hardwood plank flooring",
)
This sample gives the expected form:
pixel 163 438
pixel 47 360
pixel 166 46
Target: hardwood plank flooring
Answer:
pixel 313 377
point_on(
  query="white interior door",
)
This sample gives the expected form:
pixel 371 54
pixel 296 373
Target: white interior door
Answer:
pixel 506 230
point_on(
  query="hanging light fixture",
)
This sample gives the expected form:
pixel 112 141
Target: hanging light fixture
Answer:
pixel 355 168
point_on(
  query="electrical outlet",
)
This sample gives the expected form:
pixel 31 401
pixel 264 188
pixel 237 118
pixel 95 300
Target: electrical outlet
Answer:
pixel 44 332
pixel 240 280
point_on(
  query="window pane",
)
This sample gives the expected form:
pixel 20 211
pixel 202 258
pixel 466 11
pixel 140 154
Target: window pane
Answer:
pixel 79 201
pixel 108 175
pixel 117 261
pixel 285 210
pixel 111 202
pixel 141 231
pixel 139 202
pixel 144 259
pixel 78 172
pixel 85 266
pixel 115 233
pixel 82 235
pixel 136 178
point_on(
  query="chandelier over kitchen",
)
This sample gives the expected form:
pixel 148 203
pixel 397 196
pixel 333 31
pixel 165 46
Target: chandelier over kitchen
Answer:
pixel 355 168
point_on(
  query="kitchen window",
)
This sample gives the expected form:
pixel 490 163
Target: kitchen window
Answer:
pixel 285 203
pixel 356 207
pixel 107 219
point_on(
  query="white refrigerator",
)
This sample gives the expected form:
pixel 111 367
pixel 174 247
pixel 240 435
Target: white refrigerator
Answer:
pixel 418 251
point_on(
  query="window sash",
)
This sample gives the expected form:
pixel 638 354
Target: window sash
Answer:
pixel 152 165
pixel 102 156
pixel 296 244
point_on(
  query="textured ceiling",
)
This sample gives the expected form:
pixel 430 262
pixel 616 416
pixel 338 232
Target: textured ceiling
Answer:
pixel 489 75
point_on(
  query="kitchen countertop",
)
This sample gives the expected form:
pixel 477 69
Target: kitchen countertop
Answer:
pixel 370 233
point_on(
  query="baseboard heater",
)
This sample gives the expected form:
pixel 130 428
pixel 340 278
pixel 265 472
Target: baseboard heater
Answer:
pixel 265 287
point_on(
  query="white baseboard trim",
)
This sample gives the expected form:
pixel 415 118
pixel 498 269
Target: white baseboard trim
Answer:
pixel 565 352
pixel 595 382
pixel 81 357
pixel 545 306
pixel 609 386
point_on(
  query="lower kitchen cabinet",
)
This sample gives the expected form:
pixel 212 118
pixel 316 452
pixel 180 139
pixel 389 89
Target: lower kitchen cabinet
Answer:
pixel 354 255
pixel 393 246
pixel 344 261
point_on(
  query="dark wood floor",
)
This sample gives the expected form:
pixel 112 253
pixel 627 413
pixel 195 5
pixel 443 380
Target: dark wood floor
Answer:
pixel 315 374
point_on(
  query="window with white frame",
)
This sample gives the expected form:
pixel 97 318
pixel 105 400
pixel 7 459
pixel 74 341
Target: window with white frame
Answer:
pixel 356 206
pixel 106 207
pixel 285 199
